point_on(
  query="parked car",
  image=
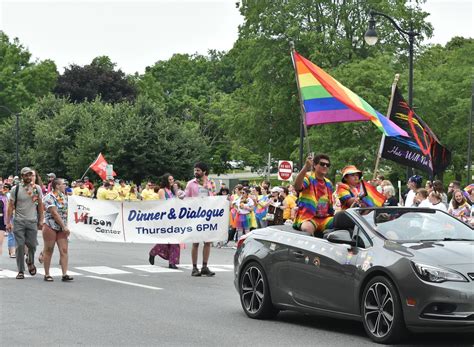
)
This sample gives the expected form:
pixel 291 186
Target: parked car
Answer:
pixel 391 268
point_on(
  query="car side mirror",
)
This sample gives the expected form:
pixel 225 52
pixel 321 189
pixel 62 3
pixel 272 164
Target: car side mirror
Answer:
pixel 342 237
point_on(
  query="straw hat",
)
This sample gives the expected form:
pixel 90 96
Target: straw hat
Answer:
pixel 350 169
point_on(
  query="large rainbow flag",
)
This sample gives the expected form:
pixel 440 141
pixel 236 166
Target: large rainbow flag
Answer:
pixel 326 100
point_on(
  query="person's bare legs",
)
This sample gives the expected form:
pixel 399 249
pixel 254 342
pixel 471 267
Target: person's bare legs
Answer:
pixel 63 254
pixel 206 251
pixel 2 236
pixel 308 227
pixel 48 250
pixel 194 253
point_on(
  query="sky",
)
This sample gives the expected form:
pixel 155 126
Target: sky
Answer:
pixel 136 34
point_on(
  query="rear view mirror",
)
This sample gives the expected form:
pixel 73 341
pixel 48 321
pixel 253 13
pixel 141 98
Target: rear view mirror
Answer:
pixel 342 237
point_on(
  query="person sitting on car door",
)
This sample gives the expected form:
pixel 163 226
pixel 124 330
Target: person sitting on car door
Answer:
pixel 315 205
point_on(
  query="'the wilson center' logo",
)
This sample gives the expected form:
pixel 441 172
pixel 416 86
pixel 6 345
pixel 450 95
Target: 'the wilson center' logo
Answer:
pixel 103 223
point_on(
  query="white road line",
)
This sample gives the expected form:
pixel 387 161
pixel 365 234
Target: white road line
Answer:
pixel 215 268
pixel 102 270
pixel 151 268
pixel 124 282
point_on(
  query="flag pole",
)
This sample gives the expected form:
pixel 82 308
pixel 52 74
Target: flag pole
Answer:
pixel 90 166
pixel 382 141
pixel 304 128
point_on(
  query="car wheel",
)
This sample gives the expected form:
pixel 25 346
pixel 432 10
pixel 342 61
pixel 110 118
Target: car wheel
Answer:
pixel 381 310
pixel 255 293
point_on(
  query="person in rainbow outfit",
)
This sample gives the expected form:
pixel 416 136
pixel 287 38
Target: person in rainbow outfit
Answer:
pixel 315 204
pixel 350 189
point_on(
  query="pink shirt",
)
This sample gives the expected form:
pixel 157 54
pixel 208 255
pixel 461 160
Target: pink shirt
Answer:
pixel 194 189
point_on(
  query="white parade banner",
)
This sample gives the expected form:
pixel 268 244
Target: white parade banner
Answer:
pixel 162 221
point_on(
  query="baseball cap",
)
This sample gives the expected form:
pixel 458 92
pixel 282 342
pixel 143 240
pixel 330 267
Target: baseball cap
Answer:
pixel 415 179
pixel 25 170
pixel 51 174
pixel 276 190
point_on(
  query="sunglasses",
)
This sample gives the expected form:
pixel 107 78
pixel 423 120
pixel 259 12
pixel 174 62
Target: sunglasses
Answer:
pixel 323 163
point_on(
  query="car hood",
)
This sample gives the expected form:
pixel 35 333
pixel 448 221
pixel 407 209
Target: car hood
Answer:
pixel 443 253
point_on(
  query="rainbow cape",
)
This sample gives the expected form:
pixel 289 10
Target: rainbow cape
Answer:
pixel 326 100
pixel 372 197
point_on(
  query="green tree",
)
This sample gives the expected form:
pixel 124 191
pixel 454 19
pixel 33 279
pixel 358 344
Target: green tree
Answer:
pixel 442 95
pixel 99 79
pixel 21 80
pixel 330 33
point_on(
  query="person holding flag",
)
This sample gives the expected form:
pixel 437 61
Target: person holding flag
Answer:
pixel 354 192
pixel 350 190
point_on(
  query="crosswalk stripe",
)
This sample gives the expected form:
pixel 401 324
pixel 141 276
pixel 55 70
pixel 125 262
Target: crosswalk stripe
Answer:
pixel 151 268
pixel 215 268
pixel 8 274
pixel 102 270
pixel 55 271
pixel 106 270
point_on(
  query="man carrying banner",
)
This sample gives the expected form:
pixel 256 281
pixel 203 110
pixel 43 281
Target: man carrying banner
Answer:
pixel 315 206
pixel 200 186
pixel 26 202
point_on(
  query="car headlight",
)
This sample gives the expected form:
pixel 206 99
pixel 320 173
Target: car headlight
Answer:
pixel 436 274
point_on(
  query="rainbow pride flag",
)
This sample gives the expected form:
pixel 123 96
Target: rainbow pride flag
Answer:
pixel 326 100
pixel 372 197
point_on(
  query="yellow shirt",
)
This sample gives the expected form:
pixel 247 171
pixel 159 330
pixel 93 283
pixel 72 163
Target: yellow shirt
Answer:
pixel 290 204
pixel 82 191
pixel 131 197
pixel 147 194
pixel 101 193
pixel 111 194
pixel 154 196
pixel 123 191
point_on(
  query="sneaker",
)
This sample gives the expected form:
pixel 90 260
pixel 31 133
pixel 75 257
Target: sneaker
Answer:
pixel 196 272
pixel 205 271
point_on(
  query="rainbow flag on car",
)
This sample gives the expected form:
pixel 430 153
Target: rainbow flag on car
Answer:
pixel 325 100
pixel 372 198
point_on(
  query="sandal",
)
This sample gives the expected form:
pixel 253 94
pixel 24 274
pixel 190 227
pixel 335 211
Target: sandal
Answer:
pixel 48 278
pixel 20 276
pixel 32 269
pixel 66 278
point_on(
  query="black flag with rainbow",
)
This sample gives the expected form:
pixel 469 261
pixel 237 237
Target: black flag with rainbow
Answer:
pixel 422 149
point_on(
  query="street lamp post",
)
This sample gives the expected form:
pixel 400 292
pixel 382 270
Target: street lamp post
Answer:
pixel 17 136
pixel 371 39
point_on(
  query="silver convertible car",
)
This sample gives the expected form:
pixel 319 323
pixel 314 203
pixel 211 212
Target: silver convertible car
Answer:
pixel 391 268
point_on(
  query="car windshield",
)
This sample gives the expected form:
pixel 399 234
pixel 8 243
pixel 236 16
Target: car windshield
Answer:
pixel 417 225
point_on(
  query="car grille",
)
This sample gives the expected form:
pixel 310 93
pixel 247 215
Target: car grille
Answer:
pixel 471 275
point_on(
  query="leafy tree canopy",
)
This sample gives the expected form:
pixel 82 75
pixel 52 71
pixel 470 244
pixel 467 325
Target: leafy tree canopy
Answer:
pixel 99 79
pixel 21 80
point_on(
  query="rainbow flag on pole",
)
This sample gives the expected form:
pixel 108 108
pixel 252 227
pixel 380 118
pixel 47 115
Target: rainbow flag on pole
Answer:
pixel 325 100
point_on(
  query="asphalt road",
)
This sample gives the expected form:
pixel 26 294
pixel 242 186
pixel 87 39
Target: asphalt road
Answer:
pixel 116 301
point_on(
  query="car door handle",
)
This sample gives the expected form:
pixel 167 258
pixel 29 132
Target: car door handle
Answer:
pixel 298 254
